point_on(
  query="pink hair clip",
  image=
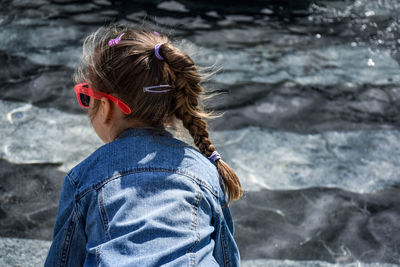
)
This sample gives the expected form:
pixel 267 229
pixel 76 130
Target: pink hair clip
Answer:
pixel 115 41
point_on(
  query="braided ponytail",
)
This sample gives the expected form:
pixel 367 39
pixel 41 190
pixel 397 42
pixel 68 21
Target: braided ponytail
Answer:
pixel 188 91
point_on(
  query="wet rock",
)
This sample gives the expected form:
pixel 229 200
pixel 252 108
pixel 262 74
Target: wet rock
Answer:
pixel 102 2
pixel 266 11
pixel 15 68
pixel 189 22
pixel 172 6
pixel 23 252
pixel 318 223
pixel 28 3
pixel 64 1
pixel 73 8
pixel 23 142
pixel 230 37
pixel 109 12
pixel 91 18
pixel 213 14
pixel 304 109
pixel 46 89
pixel 137 16
pixel 233 19
pixel 357 161
pixel 28 203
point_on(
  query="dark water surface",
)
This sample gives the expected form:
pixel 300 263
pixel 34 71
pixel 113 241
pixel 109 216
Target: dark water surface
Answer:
pixel 310 92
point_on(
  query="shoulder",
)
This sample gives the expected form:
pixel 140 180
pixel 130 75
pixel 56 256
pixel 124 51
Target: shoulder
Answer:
pixel 146 154
pixel 203 168
pixel 92 168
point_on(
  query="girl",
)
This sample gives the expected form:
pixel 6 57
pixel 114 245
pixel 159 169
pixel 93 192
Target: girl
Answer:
pixel 145 198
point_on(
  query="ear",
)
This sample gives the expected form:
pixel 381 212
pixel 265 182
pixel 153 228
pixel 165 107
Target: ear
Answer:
pixel 105 109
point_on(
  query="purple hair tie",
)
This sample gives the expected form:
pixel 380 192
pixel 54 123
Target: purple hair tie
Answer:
pixel 156 50
pixel 215 156
pixel 156 33
pixel 148 88
pixel 115 41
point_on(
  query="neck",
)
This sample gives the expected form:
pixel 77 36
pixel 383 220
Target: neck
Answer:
pixel 118 127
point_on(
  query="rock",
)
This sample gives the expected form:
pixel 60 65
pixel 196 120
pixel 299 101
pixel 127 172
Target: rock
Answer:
pixel 172 6
pixel 23 252
pixel 330 225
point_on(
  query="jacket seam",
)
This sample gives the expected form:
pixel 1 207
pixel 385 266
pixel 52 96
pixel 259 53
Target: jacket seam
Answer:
pixel 98 185
pixel 194 219
pixel 103 214
pixel 68 240
pixel 225 246
pixel 76 205
pixel 71 180
pixel 193 227
pixel 98 255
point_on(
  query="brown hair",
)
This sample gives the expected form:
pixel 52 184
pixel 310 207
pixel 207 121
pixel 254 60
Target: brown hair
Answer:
pixel 125 68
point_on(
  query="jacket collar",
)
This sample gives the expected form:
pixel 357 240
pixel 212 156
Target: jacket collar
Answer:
pixel 143 131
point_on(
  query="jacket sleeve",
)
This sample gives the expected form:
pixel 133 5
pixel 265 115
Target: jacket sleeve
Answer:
pixel 228 238
pixel 226 251
pixel 69 233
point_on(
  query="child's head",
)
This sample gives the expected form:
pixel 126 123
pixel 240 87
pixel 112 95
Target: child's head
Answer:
pixel 122 62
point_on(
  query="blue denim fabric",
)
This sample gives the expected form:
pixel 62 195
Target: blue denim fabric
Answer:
pixel 144 199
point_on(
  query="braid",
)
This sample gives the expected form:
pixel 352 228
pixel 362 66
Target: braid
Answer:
pixel 187 92
pixel 188 111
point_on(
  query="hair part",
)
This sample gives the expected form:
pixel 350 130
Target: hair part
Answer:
pixel 124 69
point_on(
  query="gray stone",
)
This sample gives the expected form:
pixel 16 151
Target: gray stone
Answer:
pixel 172 6
pixel 16 252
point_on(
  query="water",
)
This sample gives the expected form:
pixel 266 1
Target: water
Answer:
pixel 310 96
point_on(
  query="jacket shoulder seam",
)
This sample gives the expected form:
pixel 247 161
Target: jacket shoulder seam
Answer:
pixel 103 214
pixel 98 185
pixel 72 180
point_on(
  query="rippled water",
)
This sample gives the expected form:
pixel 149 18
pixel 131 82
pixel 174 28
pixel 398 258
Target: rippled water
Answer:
pixel 310 96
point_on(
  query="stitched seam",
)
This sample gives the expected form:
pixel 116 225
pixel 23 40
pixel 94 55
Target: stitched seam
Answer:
pixel 71 180
pixel 79 213
pixel 139 170
pixel 194 221
pixel 103 214
pixel 68 240
pixel 98 255
pixel 192 259
pixel 224 246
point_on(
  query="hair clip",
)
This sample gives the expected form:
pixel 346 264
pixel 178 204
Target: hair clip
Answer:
pixel 148 88
pixel 156 33
pixel 115 41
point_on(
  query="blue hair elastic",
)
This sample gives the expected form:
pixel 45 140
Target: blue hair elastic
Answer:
pixel 215 156
pixel 157 52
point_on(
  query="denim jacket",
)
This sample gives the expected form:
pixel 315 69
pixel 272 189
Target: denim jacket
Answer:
pixel 145 199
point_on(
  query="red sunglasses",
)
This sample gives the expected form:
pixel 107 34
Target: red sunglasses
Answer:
pixel 83 94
